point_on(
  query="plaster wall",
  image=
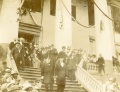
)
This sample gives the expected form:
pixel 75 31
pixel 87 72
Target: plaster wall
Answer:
pixel 80 35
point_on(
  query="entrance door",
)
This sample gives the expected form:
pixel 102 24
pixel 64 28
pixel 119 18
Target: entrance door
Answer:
pixel 27 37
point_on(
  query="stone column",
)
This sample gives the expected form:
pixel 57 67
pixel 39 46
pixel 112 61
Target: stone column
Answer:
pixel 8 20
pixel 63 30
pixel 103 37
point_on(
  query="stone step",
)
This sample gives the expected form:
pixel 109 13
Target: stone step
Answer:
pixel 67 86
pixel 71 81
pixel 30 69
pixel 30 72
pixel 30 78
pixel 66 90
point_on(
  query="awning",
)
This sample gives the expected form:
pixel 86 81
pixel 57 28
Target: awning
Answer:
pixel 29 29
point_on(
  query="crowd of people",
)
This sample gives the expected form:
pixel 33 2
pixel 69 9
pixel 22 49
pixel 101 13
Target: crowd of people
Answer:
pixel 10 81
pixel 112 86
pixel 53 64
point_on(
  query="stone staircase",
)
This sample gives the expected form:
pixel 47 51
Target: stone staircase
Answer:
pixel 31 74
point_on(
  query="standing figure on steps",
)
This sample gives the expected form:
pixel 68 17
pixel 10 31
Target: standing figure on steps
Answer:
pixel 47 73
pixel 100 63
pixel 60 72
pixel 72 66
pixel 17 55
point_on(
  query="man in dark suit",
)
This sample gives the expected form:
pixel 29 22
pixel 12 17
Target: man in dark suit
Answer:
pixel 12 44
pixel 100 63
pixel 17 55
pixel 53 56
pixel 72 66
pixel 22 49
pixel 47 73
pixel 60 72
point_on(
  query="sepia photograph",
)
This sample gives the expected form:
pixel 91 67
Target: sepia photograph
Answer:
pixel 59 45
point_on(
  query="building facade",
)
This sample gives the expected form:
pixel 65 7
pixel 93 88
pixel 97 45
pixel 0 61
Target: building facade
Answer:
pixel 50 22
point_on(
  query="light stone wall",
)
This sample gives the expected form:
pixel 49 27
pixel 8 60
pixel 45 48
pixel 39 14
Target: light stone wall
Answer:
pixel 80 35
pixel 48 23
pixel 8 20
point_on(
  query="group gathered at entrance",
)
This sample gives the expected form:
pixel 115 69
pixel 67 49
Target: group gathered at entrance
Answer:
pixel 53 65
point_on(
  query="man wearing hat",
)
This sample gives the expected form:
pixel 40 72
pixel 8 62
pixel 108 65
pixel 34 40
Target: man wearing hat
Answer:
pixel 63 52
pixel 47 73
pixel 15 78
pixel 53 56
pixel 18 56
pixel 60 72
pixel 22 51
pixel 111 85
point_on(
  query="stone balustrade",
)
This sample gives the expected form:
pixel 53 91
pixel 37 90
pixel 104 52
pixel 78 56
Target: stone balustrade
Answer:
pixel 88 81
pixel 92 68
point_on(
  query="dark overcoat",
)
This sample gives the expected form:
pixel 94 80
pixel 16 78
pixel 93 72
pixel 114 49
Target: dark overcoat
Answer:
pixel 100 61
pixel 47 71
pixel 60 72
pixel 16 54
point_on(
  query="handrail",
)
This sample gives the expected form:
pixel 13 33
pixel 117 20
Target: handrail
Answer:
pixel 88 81
pixel 10 61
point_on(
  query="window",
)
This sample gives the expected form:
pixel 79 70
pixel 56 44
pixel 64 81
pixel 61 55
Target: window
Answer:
pixel 73 11
pixel 91 12
pixel 115 15
pixel 35 5
pixel 91 39
pixel 92 45
pixel 52 7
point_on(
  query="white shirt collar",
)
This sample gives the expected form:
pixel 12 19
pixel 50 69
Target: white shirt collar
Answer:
pixel 62 64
